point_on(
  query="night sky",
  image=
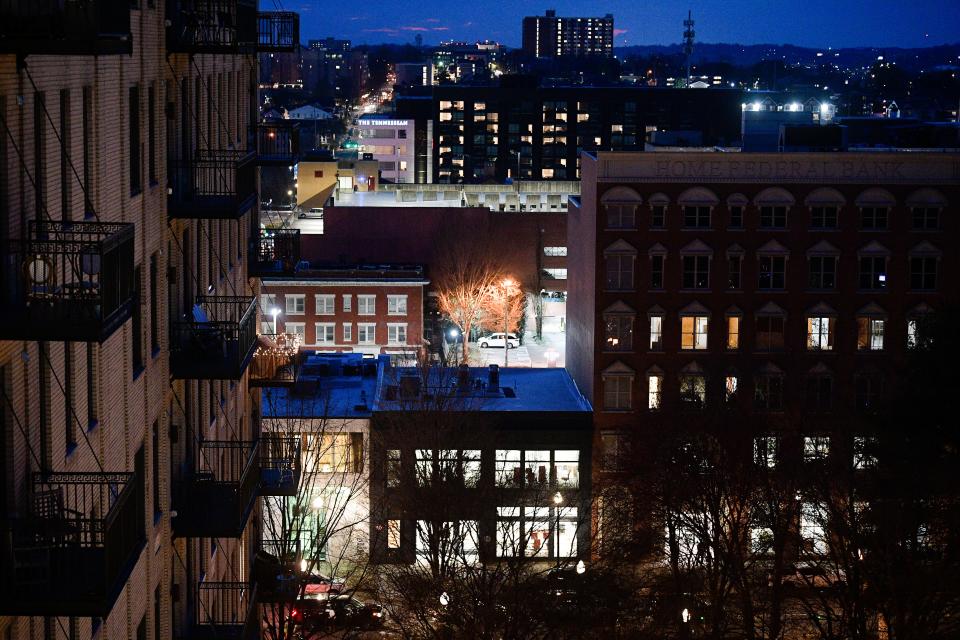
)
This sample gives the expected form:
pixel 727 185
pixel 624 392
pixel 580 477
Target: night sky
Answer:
pixel 815 23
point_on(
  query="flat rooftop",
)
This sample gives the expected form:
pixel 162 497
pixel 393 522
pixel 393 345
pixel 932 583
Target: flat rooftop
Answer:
pixel 331 385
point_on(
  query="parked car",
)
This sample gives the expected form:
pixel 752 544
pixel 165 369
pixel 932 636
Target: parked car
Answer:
pixel 317 612
pixel 497 340
pixel 314 213
pixel 312 613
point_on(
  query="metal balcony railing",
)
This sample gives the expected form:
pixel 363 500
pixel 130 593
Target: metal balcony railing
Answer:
pixel 73 551
pixel 215 184
pixel 277 360
pixel 278 143
pixel 280 465
pixel 278 31
pixel 217 341
pixel 70 281
pixel 211 26
pixel 64 27
pixel 215 497
pixel 226 611
pixel 276 569
pixel 275 252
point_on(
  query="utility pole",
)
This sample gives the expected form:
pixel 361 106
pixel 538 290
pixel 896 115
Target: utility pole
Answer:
pixel 688 34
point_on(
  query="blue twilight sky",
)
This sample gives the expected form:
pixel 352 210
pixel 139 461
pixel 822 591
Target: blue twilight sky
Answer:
pixel 815 23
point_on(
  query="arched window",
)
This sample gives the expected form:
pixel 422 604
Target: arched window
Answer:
pixel 619 206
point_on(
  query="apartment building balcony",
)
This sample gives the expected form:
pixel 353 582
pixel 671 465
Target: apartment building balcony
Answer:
pixel 276 569
pixel 278 31
pixel 211 26
pixel 278 143
pixel 275 252
pixel 73 551
pixel 276 361
pixel 70 281
pixel 217 341
pixel 226 611
pixel 280 466
pixel 214 498
pixel 55 27
pixel 217 184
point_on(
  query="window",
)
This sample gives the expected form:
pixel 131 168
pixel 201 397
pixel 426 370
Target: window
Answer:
pixel 654 391
pixel 335 452
pixel 773 217
pixel 621 216
pixel 873 218
pixel 347 331
pixel 658 216
pixel 396 334
pixel 696 217
pixel 325 304
pixel 555 251
pixel 296 327
pixel 870 333
pixel 770 333
pixel 868 390
pixel 619 271
pixel 393 534
pixel 325 332
pixel 555 274
pixel 91 389
pixel 136 325
pixel 610 452
pixel 823 272
pixel 296 304
pixel 397 305
pixel 155 467
pixel 816 448
pixel 734 267
pixel 925 218
pixel 736 217
pixel 347 302
pixel 873 272
pixel 152 134
pixel 509 469
pixel 154 305
pixel 864 452
pixel 366 304
pixel 656 333
pixel 823 217
pixel 819 394
pixel 765 451
pixel 393 468
pixel 820 330
pixel 696 272
pixel 693 332
pixel 768 394
pixel 566 468
pixel 617 392
pixel 656 271
pixel 730 386
pixel 733 333
pixel 923 273
pixel 693 389
pixel 812 528
pixel 135 152
pixel 618 330
pixel 366 333
pixel 772 272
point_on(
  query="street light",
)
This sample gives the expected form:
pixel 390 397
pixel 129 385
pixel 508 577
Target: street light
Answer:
pixel 581 568
pixel 444 599
pixel 507 289
pixel 557 500
pixel 275 312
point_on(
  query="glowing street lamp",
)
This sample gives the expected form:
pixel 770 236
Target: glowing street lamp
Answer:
pixel 444 599
pixel 275 312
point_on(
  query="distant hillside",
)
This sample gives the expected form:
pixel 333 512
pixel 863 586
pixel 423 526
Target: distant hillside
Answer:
pixel 749 54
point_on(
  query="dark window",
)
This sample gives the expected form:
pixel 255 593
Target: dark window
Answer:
pixel 658 216
pixel 696 272
pixel 772 272
pixel 868 390
pixel 819 393
pixel 154 305
pixel 926 218
pixel 65 182
pixel 136 171
pixel 87 134
pixel 70 428
pixel 823 272
pixel 736 217
pixel 770 333
pixel 402 134
pixel 923 273
pixel 137 321
pixel 773 217
pixel 318 174
pixel 823 217
pixel 91 389
pixel 619 268
pixel 873 272
pixel 155 467
pixel 696 217
pixel 152 134
pixel 621 216
pixel 656 272
pixel 873 218
pixel 733 271
pixel 768 393
pixel 39 156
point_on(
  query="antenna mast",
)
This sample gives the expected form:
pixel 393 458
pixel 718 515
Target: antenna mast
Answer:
pixel 688 34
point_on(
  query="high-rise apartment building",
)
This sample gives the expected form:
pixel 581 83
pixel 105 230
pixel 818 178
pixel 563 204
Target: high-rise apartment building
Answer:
pixel 128 179
pixel 548 36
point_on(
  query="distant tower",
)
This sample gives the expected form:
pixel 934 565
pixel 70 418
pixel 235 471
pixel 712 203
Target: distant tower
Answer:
pixel 419 41
pixel 688 34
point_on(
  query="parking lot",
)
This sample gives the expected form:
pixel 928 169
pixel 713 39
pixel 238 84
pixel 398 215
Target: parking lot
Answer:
pixel 548 352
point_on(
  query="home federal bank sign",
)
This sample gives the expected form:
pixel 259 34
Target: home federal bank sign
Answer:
pixel 796 167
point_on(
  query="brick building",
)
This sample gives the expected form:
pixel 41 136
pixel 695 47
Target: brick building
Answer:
pixel 788 285
pixel 127 195
pixel 369 310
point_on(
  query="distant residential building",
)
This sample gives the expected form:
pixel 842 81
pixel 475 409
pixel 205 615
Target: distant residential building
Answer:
pixel 415 74
pixel 309 112
pixel 389 141
pixel 549 36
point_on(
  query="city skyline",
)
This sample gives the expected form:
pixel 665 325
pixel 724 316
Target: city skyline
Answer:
pixel 813 24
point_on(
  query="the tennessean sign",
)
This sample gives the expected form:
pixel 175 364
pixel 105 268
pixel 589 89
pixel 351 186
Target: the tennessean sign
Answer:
pixel 893 168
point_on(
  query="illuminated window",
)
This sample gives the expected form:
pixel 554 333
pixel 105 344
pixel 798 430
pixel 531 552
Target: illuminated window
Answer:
pixel 618 330
pixel 693 332
pixel 816 448
pixel 820 331
pixel 656 333
pixel 870 333
pixel 654 391
pixel 733 333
